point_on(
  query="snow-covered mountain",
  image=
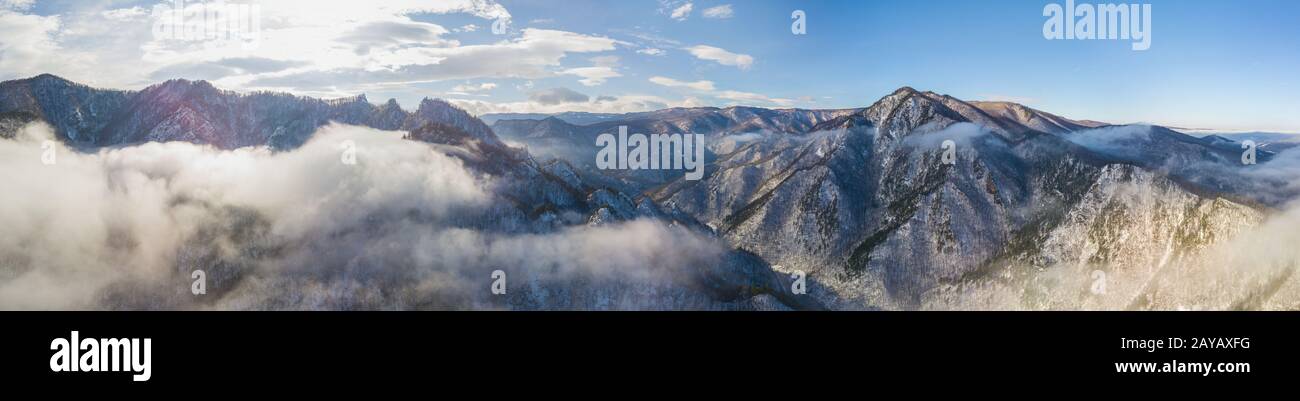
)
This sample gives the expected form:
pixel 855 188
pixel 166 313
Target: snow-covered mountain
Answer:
pixel 920 200
pixel 529 202
pixel 554 137
pixel 865 203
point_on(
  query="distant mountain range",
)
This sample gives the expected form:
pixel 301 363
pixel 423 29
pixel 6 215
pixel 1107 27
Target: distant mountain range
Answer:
pixel 1270 141
pixel 571 117
pixel 195 111
pixel 862 200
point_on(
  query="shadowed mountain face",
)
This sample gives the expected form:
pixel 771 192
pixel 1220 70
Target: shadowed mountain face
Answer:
pixel 920 200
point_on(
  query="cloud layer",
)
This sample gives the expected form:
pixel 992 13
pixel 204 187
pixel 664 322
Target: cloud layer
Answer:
pixel 405 227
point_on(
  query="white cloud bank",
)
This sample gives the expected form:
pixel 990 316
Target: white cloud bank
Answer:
pixel 403 228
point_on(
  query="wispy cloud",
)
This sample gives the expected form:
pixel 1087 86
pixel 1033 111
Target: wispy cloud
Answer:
pixel 721 56
pixel 603 68
pixel 720 12
pixel 706 88
pixel 554 96
pixel 526 57
pixel 749 98
pixel 16 4
pixel 697 85
pixel 472 90
pixel 682 12
pixel 650 51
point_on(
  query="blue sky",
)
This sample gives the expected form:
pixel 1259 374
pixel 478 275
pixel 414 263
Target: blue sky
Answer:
pixel 1227 65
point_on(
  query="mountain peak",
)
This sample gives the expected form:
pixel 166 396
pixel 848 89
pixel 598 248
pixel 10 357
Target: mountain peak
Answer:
pixel 180 87
pixel 44 79
pixel 47 77
pixel 905 90
pixel 351 99
pixel 175 81
pixel 443 111
pixel 435 104
pixel 183 83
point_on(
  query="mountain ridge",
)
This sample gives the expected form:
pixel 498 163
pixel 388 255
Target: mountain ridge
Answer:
pixel 898 205
pixel 528 198
pixel 196 111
